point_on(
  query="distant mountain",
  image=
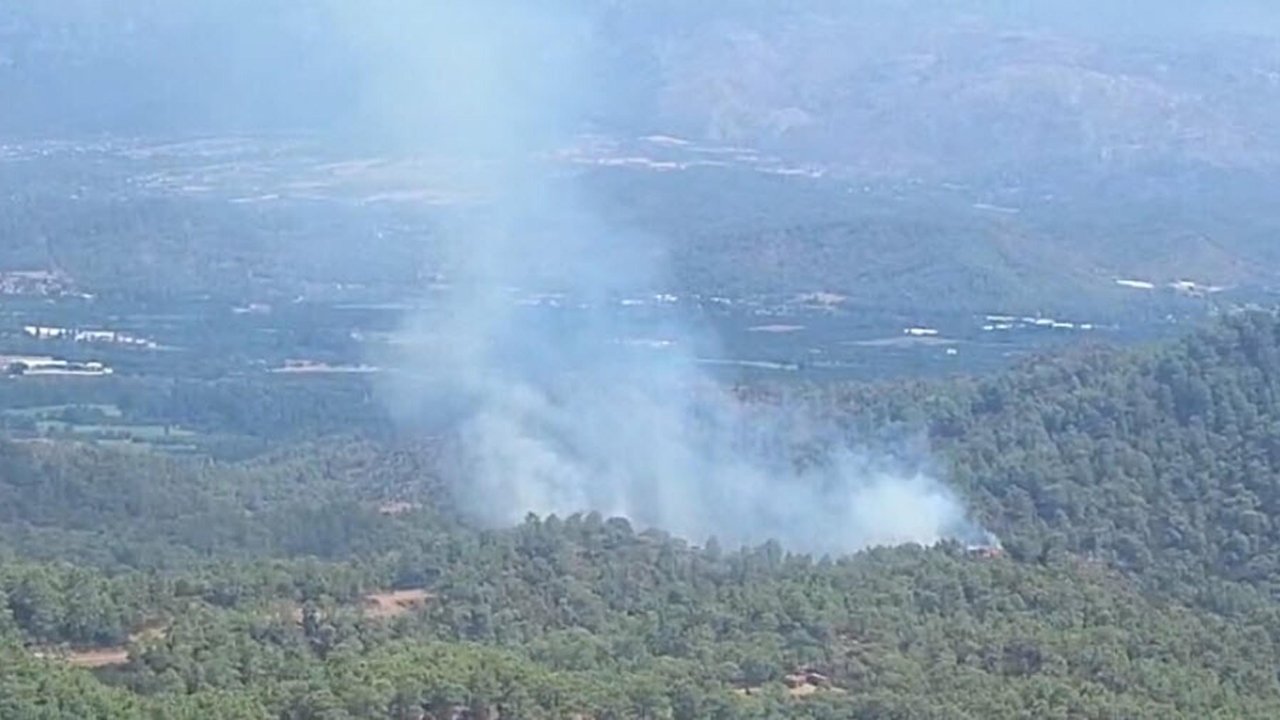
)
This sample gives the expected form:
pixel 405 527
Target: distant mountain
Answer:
pixel 956 89
pixel 974 97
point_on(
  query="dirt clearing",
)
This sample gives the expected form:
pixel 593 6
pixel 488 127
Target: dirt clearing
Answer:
pixel 394 603
pixel 98 657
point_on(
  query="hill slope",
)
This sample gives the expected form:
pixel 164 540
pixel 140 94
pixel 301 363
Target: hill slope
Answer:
pixel 1161 462
pixel 1134 490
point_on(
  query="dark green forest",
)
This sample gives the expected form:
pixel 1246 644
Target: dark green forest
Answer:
pixel 1135 492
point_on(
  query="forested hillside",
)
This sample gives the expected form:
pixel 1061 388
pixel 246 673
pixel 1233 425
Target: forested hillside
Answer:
pixel 1162 462
pixel 1135 492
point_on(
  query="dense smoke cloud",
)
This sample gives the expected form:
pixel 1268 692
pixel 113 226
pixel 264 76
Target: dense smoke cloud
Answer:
pixel 556 412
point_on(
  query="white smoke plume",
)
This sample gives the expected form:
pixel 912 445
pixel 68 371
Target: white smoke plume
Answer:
pixel 553 415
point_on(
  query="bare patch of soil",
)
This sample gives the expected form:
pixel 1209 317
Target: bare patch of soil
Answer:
pixel 394 603
pixel 106 656
pixel 98 657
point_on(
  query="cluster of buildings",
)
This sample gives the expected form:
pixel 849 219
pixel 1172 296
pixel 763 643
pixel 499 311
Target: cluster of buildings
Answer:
pixel 42 332
pixel 23 365
pixel 1190 288
pixel 34 282
pixel 999 323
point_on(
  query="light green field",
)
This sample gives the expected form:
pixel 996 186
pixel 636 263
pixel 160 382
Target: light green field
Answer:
pixel 38 411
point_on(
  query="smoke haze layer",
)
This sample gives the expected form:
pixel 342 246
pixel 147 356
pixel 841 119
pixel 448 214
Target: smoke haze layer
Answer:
pixel 555 412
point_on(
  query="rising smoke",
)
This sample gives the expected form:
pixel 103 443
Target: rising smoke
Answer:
pixel 549 412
